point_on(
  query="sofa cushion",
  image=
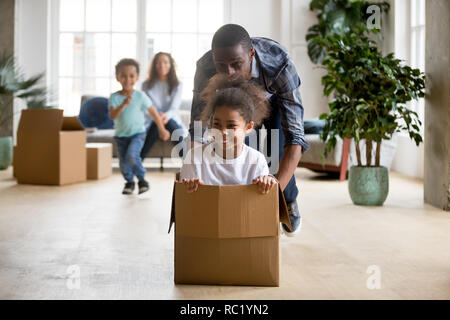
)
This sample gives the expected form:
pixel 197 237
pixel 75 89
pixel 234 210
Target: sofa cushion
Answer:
pixel 314 154
pixel 314 126
pixel 94 113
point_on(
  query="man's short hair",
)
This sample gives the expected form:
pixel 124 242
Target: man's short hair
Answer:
pixel 127 62
pixel 230 35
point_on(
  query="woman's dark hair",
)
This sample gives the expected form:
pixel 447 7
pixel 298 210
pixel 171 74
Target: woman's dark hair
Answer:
pixel 172 78
pixel 127 62
pixel 238 93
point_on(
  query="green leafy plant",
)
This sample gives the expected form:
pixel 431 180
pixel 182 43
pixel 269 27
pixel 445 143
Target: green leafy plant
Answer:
pixel 13 84
pixel 370 92
pixel 337 17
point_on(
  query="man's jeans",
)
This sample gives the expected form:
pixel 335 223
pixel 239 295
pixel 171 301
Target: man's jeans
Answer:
pixel 129 150
pixel 153 135
pixel 274 122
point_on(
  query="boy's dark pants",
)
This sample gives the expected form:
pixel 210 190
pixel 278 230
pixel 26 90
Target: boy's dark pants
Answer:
pixel 129 150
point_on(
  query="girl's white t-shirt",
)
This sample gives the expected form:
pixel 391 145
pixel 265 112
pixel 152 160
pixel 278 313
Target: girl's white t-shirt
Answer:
pixel 212 169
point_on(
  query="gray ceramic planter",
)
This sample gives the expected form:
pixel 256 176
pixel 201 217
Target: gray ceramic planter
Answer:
pixel 368 186
pixel 6 150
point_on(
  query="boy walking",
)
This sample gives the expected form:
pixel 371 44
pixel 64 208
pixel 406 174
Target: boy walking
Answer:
pixel 127 109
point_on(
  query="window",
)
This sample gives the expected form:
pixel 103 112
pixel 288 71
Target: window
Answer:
pixel 183 28
pixel 417 48
pixel 92 35
pixel 410 42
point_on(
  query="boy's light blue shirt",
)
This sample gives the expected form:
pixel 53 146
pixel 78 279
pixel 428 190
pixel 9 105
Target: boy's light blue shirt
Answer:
pixel 132 118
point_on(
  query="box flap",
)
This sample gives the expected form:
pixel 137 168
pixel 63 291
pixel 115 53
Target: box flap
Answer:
pixel 283 210
pixel 238 211
pixel 172 208
pixel 39 123
pixel 71 124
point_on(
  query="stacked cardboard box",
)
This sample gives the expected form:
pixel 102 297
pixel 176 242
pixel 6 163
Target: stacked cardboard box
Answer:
pixel 50 148
pixel 227 235
pixel 99 160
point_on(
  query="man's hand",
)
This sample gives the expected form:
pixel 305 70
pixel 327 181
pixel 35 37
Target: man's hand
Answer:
pixel 164 134
pixel 164 118
pixel 191 184
pixel 265 183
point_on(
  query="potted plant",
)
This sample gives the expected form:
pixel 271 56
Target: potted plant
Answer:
pixel 369 92
pixel 14 85
pixel 338 17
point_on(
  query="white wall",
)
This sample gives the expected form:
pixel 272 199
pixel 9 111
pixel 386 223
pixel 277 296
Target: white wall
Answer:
pixel 31 35
pixel 261 18
pixel 409 159
pixel 300 19
pixel 31 43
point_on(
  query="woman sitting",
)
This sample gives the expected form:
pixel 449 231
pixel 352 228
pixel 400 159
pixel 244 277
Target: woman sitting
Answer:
pixel 165 90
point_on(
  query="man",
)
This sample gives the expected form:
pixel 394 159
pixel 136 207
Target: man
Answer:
pixel 268 64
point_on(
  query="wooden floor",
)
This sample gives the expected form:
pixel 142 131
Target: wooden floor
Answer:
pixel 122 250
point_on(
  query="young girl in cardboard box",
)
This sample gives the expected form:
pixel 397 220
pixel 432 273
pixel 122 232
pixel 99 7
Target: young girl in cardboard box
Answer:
pixel 234 106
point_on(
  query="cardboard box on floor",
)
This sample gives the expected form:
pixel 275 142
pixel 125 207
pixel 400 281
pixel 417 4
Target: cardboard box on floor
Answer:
pixel 227 235
pixel 50 148
pixel 99 160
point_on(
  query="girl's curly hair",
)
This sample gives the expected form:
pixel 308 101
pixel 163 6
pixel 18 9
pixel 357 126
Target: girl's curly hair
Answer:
pixel 237 93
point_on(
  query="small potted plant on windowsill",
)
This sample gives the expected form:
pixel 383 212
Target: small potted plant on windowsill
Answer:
pixel 370 91
pixel 14 85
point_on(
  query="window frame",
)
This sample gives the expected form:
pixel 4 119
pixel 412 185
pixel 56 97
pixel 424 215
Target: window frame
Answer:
pixel 405 31
pixel 417 53
pixel 141 43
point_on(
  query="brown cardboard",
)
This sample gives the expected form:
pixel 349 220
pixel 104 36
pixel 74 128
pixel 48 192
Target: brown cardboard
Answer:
pixel 14 161
pixel 227 235
pixel 50 148
pixel 99 160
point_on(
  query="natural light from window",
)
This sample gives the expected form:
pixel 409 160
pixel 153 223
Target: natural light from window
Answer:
pixel 94 34
pixel 417 53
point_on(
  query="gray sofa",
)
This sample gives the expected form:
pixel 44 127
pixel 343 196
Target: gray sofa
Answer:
pixel 161 149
